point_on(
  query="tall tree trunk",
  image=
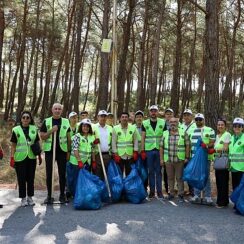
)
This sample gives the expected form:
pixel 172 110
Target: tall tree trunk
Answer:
pixel 2 27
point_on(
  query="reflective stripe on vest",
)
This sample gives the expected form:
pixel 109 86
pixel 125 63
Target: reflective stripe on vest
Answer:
pixel 236 154
pixel 125 142
pixel 47 144
pixel 23 147
pixel 180 148
pixel 153 138
pixel 85 149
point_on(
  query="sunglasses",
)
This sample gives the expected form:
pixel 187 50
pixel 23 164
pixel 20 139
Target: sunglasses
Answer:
pixel 25 117
pixel 199 119
pixel 237 126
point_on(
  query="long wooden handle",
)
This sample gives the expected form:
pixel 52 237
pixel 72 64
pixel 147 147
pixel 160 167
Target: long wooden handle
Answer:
pixel 53 161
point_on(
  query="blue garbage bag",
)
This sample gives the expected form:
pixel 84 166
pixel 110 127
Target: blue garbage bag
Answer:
pixel 72 172
pixel 141 169
pixel 133 187
pixel 236 193
pixel 240 202
pixel 88 192
pixel 115 181
pixel 102 186
pixel 196 171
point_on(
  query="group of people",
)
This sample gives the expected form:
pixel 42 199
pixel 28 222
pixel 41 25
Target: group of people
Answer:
pixel 164 144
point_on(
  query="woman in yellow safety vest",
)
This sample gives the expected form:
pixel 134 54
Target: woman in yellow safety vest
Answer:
pixel 236 152
pixel 222 176
pixel 22 157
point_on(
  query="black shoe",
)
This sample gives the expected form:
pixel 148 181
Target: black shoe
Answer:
pixel 63 199
pixel 49 200
pixel 181 199
pixel 151 195
pixel 160 195
pixel 68 194
pixel 170 197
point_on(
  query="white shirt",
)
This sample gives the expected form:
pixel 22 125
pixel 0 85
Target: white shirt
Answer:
pixel 104 134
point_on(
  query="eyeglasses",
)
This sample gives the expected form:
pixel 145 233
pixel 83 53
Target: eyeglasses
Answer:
pixel 237 126
pixel 25 117
pixel 198 119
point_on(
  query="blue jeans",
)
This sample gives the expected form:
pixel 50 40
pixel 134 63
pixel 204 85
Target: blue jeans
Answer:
pixel 207 189
pixel 154 168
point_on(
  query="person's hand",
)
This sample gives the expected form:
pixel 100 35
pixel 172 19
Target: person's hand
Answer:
pixel 55 128
pixel 96 141
pixel 203 145
pixel 143 155
pixel 186 160
pixel 80 164
pixel 12 162
pixel 1 154
pixel 116 158
pixel 40 159
pixel 135 155
pixel 94 166
pixel 211 150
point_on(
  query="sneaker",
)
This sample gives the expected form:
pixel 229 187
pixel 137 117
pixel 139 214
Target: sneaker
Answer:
pixel 49 200
pixel 151 195
pixel 208 200
pixel 62 199
pixel 181 199
pixel 24 202
pixel 170 197
pixel 160 195
pixel 218 206
pixel 195 199
pixel 30 201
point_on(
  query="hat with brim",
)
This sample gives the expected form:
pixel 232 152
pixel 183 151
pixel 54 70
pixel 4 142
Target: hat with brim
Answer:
pixel 239 121
pixel 72 114
pixel 187 111
pixel 153 107
pixel 199 116
pixel 139 112
pixel 102 112
pixel 169 110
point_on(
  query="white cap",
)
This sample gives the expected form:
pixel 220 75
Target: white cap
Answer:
pixel 139 112
pixel 169 110
pixel 86 121
pixel 102 112
pixel 187 111
pixel 238 121
pixel 153 107
pixel 71 114
pixel 199 116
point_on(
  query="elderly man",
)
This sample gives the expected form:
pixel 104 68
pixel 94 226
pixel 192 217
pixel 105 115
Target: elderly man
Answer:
pixel 60 125
pixel 103 132
pixel 174 153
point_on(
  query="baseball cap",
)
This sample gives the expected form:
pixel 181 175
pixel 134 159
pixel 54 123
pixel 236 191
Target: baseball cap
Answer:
pixel 199 116
pixel 187 111
pixel 71 114
pixel 169 110
pixel 238 121
pixel 139 112
pixel 102 112
pixel 86 121
pixel 153 107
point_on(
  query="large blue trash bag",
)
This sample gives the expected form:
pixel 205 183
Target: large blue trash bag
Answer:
pixel 141 169
pixel 72 172
pixel 102 186
pixel 133 187
pixel 196 171
pixel 115 181
pixel 236 193
pixel 240 202
pixel 88 192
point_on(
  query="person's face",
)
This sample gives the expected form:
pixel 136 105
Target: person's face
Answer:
pixel 153 113
pixel 83 116
pixel 173 123
pixel 85 128
pixel 124 118
pixel 237 128
pixel 25 120
pixel 102 119
pixel 139 119
pixel 221 126
pixel 110 120
pixel 187 118
pixel 168 115
pixel 73 120
pixel 199 122
pixel 57 110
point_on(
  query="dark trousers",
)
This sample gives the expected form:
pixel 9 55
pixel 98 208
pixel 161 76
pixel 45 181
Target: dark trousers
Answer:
pixel 236 178
pixel 222 182
pixel 99 170
pixel 61 162
pixel 25 171
pixel 125 164
pixel 146 167
pixel 165 178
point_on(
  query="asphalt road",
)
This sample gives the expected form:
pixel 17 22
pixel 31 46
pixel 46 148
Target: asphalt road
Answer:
pixel 151 222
